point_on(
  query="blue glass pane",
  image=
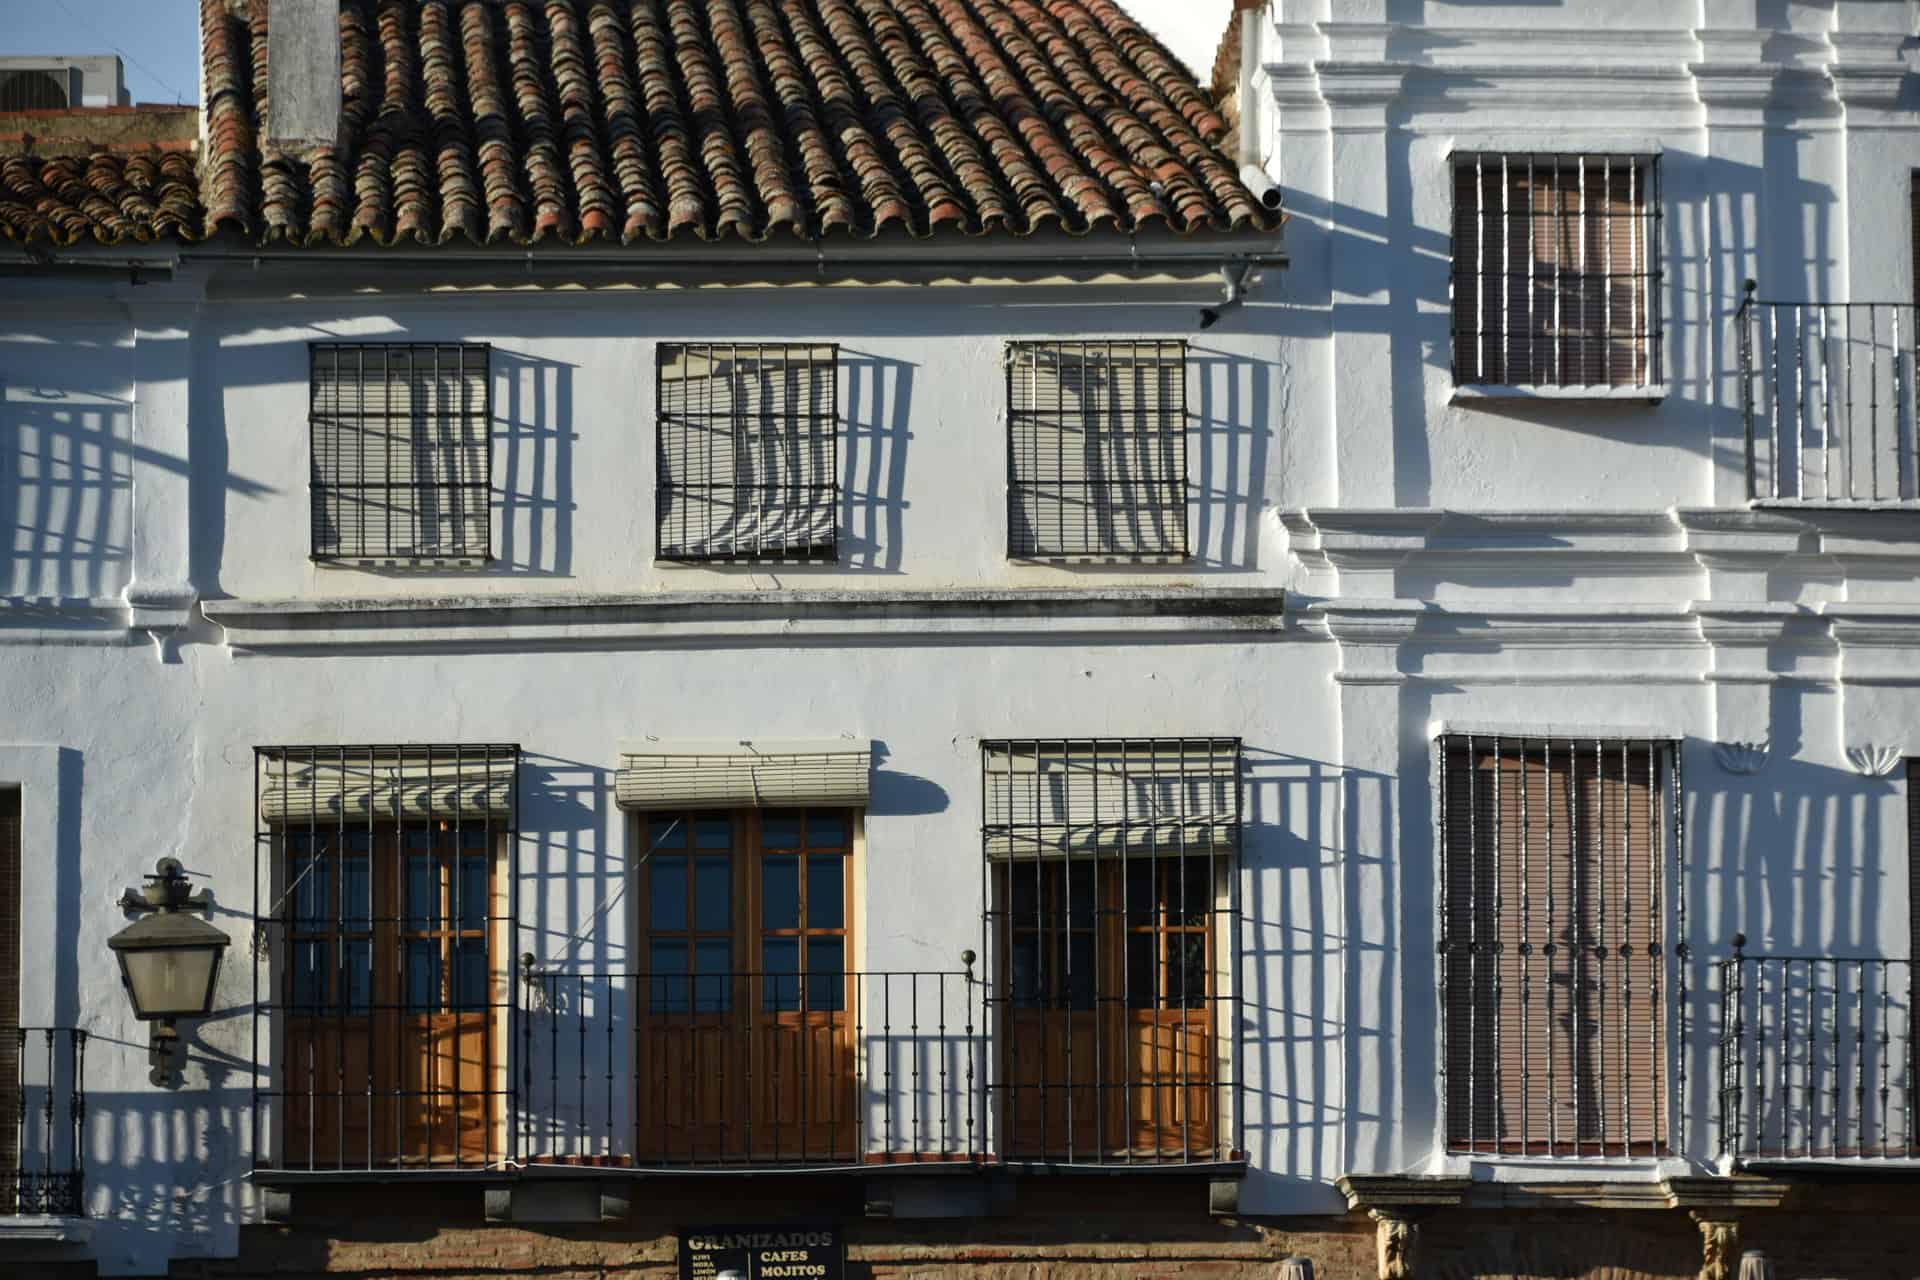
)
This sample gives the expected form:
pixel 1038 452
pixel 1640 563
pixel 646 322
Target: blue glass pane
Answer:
pixel 309 984
pixel 667 986
pixel 780 892
pixel 305 842
pixel 826 984
pixel 356 893
pixel 1023 898
pixel 312 901
pixel 423 976
pixel 667 891
pixel 471 910
pixel 713 960
pixel 359 841
pixel 423 893
pixel 469 975
pixel 780 984
pixel 357 962
pixel 1140 896
pixel 1197 895
pixel 1077 982
pixel 780 828
pixel 1023 978
pixel 826 891
pixel 713 833
pixel 1079 904
pixel 421 840
pixel 826 829
pixel 667 833
pixel 713 895
pixel 473 837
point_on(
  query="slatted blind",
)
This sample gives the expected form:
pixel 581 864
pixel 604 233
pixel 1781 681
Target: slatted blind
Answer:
pixel 1556 270
pixel 9 985
pixel 747 451
pixel 716 776
pixel 1097 448
pixel 1551 948
pixel 401 450
pixel 1087 797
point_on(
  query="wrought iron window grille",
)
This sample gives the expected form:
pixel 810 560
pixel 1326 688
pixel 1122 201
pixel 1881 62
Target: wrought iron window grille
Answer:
pixel 1553 943
pixel 1097 449
pixel 1556 270
pixel 43 1109
pixel 1110 878
pixel 383 896
pixel 747 452
pixel 401 449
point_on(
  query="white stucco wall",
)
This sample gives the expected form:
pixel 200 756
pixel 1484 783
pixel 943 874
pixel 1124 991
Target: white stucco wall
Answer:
pixel 1524 567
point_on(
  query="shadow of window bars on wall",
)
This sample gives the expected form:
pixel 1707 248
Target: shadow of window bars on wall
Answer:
pixel 1827 393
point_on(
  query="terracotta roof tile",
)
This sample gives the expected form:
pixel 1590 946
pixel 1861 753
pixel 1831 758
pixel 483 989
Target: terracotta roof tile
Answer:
pixel 616 121
pixel 624 121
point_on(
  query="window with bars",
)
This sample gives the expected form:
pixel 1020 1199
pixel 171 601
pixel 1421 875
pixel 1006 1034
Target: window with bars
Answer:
pixel 1556 270
pixel 1097 449
pixel 748 446
pixel 402 451
pixel 384 891
pixel 1551 943
pixel 1111 920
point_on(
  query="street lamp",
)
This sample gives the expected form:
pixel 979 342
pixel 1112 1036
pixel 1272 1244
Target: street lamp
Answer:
pixel 168 960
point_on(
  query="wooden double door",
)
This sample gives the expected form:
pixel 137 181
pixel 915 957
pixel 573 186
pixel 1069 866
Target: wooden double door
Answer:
pixel 392 1049
pixel 747 1006
pixel 1108 983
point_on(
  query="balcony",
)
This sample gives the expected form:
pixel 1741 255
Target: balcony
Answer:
pixel 1827 390
pixel 43 1104
pixel 1817 1060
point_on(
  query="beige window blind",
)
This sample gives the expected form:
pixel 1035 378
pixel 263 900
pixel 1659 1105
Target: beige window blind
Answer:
pixel 748 451
pixel 401 451
pixel 1097 448
pixel 1552 932
pixel 335 784
pixel 1556 270
pixel 1087 797
pixel 730 775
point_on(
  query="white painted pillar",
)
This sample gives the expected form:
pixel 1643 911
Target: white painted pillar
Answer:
pixel 161 594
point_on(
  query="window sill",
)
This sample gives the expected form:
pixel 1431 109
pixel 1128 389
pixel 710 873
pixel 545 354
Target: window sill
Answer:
pixel 1651 393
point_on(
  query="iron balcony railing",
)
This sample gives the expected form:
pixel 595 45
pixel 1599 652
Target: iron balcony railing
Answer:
pixel 1816 1058
pixel 1827 390
pixel 44 1071
pixel 749 1069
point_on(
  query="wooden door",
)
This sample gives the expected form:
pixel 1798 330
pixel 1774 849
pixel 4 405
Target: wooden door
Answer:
pixel 1109 973
pixel 745 1050
pixel 388 1055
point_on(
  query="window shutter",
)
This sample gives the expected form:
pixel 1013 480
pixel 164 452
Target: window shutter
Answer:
pixel 1555 270
pixel 1552 931
pixel 401 451
pixel 747 451
pixel 730 775
pixel 341 784
pixel 1097 448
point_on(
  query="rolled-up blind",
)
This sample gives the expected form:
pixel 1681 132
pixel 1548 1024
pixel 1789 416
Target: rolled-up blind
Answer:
pixel 332 784
pixel 1087 797
pixel 728 775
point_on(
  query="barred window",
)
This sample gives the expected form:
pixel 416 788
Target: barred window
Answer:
pixel 748 451
pixel 1112 918
pixel 384 883
pixel 1556 270
pixel 1097 449
pixel 402 451
pixel 1552 922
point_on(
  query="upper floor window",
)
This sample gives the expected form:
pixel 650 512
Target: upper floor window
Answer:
pixel 1551 944
pixel 1097 449
pixel 748 451
pixel 1556 270
pixel 402 453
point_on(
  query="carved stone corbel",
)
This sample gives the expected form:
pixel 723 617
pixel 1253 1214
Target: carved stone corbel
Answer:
pixel 1396 1239
pixel 1719 1247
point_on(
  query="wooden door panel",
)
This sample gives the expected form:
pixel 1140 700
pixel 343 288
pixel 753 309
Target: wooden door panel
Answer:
pixel 331 1087
pixel 804 1088
pixel 690 1088
pixel 1172 1097
pixel 1056 1069
pixel 444 1079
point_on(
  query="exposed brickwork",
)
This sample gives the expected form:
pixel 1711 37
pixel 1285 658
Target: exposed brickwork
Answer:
pixel 1060 1230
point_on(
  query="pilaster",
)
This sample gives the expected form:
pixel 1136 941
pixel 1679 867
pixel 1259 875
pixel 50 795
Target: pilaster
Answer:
pixel 161 593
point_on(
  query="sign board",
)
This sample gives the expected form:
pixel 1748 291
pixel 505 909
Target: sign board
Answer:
pixel 763 1253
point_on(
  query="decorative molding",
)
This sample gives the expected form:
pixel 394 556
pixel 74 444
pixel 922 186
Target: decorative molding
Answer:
pixel 1743 758
pixel 1870 761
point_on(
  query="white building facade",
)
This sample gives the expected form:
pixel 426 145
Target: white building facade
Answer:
pixel 946 736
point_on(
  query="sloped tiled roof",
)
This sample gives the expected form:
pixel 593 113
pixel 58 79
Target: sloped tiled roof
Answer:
pixel 624 121
pixel 102 174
